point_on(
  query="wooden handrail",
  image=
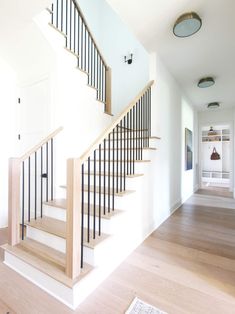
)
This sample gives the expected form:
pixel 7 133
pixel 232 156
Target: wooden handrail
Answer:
pixel 90 33
pixel 99 140
pixel 44 141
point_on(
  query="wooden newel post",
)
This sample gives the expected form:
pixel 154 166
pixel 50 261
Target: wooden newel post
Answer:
pixel 108 103
pixel 73 225
pixel 14 201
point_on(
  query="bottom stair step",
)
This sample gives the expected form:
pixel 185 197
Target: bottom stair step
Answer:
pixel 47 267
pixel 44 251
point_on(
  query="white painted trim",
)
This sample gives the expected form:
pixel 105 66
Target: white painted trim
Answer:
pixel 37 278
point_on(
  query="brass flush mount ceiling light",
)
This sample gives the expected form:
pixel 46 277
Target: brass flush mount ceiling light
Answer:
pixel 213 105
pixel 187 24
pixel 206 82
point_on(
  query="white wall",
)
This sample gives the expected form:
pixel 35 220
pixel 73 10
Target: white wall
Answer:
pixel 115 40
pixel 7 127
pixel 171 114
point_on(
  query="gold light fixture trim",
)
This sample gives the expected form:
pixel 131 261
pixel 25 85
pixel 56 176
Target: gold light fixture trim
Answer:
pixel 187 24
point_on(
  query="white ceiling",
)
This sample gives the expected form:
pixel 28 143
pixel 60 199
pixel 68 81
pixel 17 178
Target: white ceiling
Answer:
pixel 211 51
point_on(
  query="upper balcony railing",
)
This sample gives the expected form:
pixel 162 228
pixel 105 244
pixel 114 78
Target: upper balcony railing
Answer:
pixel 66 16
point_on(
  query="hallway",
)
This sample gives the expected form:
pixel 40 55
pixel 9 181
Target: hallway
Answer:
pixel 185 266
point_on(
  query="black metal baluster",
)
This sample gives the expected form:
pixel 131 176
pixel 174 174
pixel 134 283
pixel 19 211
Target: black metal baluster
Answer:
pixel 100 189
pixel 113 191
pixel 144 114
pixel 82 27
pixel 74 26
pixel 131 141
pixel 85 49
pixel 35 186
pixel 133 144
pixel 148 118
pixel 88 203
pixel 97 74
pixel 52 169
pixel 117 157
pixel 29 192
pixel 100 82
pixel 78 37
pixel 52 15
pixel 57 13
pixel 121 152
pixel 109 173
pixel 47 183
pixel 88 60
pixel 82 218
pixel 70 26
pixel 141 126
pixel 41 179
pixel 124 172
pixel 22 222
pixel 150 110
pixel 62 13
pixel 105 96
pixel 94 196
pixel 128 149
pixel 66 22
pixel 136 132
pixel 104 177
pixel 139 132
pixel 91 75
pixel 95 52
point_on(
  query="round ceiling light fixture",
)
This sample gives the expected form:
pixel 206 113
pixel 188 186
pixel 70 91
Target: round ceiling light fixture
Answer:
pixel 187 24
pixel 206 82
pixel 213 105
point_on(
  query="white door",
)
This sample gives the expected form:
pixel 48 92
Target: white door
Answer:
pixel 33 114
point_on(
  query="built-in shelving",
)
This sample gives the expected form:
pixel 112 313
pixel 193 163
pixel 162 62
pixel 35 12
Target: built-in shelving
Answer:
pixel 215 171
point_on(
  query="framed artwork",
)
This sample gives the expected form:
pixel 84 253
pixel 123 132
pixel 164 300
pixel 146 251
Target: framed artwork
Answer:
pixel 188 149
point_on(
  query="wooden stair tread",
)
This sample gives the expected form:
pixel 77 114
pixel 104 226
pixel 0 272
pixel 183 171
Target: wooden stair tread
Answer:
pixel 44 251
pixel 50 225
pixel 134 160
pixel 58 202
pixel 94 242
pixel 138 137
pixel 47 267
pixel 58 228
pixel 144 148
pixel 62 203
pixel 123 193
pixel 129 176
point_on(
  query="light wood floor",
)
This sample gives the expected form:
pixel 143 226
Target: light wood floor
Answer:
pixel 186 266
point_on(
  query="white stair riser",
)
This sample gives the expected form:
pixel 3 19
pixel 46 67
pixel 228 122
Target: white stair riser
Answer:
pixel 46 238
pixel 54 212
pixel 127 154
pixel 134 142
pixel 138 166
pixel 108 226
pixel 93 257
